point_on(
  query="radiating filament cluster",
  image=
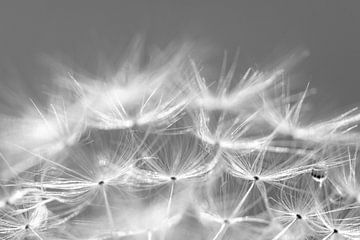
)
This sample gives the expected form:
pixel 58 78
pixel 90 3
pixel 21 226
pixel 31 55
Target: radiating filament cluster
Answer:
pixel 157 151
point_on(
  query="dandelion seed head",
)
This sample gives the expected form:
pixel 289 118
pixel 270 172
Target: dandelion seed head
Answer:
pixel 148 146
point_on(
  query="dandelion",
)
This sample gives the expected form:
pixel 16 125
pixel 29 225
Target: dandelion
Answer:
pixel 337 222
pixel 229 96
pixel 346 180
pixel 18 197
pixel 152 109
pixel 230 132
pixel 294 206
pixel 87 175
pixel 266 169
pixel 40 132
pixel 23 224
pixel 175 160
pixel 284 115
pixel 150 149
pixel 228 202
pixel 229 118
pixel 135 95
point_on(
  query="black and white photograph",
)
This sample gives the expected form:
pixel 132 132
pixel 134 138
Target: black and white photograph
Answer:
pixel 179 120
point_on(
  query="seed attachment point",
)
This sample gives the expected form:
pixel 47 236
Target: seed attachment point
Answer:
pixel 101 183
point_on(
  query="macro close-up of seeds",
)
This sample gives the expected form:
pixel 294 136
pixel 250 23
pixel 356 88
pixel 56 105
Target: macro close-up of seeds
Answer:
pixel 178 130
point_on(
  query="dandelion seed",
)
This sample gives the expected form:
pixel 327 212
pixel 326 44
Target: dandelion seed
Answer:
pixel 237 133
pixel 91 175
pixel 337 220
pixel 267 170
pixel 133 96
pixel 174 161
pixel 285 119
pixel 294 207
pixel 345 178
pixel 20 196
pixel 227 202
pixel 249 86
pixel 227 132
pixel 155 109
pixel 18 224
pixel 42 132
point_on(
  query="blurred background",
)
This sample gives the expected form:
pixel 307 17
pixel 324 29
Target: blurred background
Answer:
pixel 83 31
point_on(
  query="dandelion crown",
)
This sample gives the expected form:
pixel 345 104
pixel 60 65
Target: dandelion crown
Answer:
pixel 155 150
